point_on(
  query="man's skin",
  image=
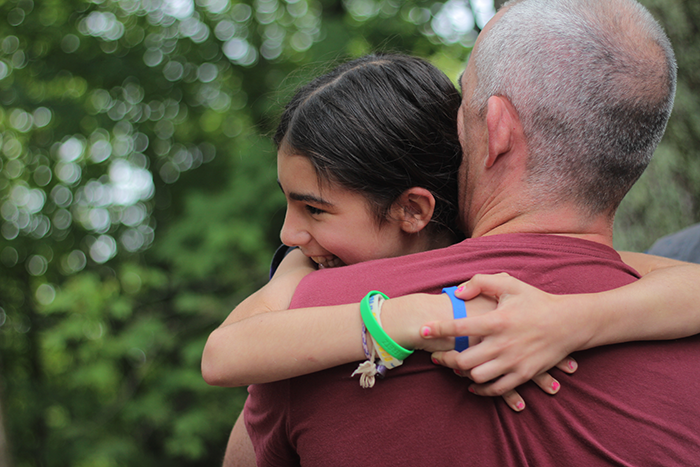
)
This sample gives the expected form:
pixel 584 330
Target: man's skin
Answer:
pixel 239 451
pixel 494 198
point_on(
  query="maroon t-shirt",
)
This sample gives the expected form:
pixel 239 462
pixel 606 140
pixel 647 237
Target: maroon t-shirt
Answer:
pixel 634 404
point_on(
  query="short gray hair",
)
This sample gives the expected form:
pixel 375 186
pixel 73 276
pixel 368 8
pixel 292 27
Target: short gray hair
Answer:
pixel 593 83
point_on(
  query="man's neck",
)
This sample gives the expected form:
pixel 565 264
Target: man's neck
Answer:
pixel 567 222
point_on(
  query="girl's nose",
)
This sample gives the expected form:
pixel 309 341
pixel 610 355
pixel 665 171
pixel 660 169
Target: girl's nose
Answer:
pixel 293 231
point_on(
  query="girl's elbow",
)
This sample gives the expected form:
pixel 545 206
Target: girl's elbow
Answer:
pixel 215 375
pixel 214 372
pixel 223 363
pixel 211 374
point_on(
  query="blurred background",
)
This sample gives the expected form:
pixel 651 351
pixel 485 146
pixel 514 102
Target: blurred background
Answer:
pixel 139 203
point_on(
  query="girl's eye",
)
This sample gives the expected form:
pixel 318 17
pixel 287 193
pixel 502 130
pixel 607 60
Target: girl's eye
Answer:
pixel 314 211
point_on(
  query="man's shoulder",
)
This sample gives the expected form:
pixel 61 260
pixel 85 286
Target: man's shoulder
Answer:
pixel 530 257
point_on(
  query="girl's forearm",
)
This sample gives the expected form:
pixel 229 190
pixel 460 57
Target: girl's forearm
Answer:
pixel 663 304
pixel 223 359
pixel 283 344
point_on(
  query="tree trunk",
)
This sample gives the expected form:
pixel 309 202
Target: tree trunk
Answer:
pixel 5 460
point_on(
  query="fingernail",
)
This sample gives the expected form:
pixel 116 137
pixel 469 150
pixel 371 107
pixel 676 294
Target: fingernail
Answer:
pixel 520 405
pixel 425 331
pixel 460 288
pixel 471 389
pixel 435 361
pixel 572 364
pixel 457 372
pixel 555 386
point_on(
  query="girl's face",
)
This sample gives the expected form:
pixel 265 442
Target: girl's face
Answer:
pixel 330 224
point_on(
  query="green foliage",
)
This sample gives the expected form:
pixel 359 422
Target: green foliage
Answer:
pixel 139 203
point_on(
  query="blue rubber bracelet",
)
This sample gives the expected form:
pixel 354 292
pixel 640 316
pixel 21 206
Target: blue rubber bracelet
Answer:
pixel 459 310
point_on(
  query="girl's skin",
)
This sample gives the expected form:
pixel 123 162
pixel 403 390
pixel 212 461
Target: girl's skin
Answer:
pixel 328 224
pixel 528 333
pixel 270 345
pixel 661 305
pixel 325 222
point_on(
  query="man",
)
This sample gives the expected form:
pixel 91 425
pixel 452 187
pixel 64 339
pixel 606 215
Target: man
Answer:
pixel 564 103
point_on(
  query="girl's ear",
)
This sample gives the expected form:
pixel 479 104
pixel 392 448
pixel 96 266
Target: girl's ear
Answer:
pixel 414 209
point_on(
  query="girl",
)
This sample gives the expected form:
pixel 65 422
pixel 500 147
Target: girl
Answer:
pixel 368 157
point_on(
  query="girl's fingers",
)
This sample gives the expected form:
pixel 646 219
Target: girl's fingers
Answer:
pixel 504 386
pixel 480 321
pixel 567 365
pixel 499 387
pixel 473 357
pixel 514 401
pixel 493 285
pixel 547 383
pixel 454 328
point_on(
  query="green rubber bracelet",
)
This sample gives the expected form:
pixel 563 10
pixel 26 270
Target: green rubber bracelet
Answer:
pixel 379 335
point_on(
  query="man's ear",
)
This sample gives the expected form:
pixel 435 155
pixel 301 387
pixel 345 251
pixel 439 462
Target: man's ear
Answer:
pixel 501 122
pixel 414 209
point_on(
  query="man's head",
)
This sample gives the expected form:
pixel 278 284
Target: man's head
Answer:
pixel 592 83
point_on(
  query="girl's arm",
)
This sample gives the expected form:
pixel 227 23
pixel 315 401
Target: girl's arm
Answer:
pixel 664 304
pixel 274 345
pixel 225 348
pixel 276 294
pixel 283 344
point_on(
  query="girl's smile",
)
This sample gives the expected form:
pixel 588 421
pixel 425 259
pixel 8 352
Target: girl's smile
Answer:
pixel 327 261
pixel 330 224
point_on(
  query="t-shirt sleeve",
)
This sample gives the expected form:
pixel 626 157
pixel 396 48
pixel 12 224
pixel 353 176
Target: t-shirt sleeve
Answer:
pixel 266 416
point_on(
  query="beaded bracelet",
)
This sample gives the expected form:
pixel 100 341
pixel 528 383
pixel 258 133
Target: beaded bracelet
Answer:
pixel 388 362
pixel 378 359
pixel 375 329
pixel 369 368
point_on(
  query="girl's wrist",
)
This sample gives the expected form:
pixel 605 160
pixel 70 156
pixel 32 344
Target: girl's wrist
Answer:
pixel 403 317
pixel 583 324
pixel 394 322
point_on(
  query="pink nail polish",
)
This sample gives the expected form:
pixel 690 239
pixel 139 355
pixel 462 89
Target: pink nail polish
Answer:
pixel 435 361
pixel 460 289
pixel 471 389
pixel 555 386
pixel 520 405
pixel 572 364
pixel 425 331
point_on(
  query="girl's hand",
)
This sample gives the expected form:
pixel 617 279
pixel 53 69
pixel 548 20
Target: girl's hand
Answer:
pixel 526 335
pixel 403 319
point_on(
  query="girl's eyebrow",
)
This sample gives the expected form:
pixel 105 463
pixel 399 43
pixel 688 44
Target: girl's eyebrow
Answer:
pixel 309 199
pixel 305 198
